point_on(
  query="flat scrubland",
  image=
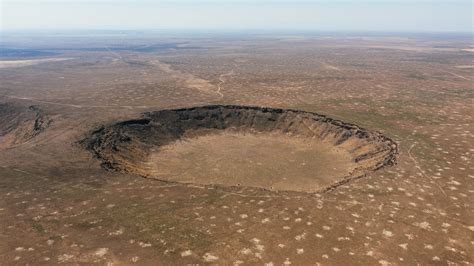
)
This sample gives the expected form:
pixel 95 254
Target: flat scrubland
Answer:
pixel 59 205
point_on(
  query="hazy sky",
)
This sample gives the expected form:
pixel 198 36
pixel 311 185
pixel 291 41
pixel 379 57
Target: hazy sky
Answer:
pixel 377 15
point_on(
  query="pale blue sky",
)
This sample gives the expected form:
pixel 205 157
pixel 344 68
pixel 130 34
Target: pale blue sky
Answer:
pixel 367 15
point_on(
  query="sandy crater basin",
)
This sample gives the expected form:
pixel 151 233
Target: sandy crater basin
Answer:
pixel 271 161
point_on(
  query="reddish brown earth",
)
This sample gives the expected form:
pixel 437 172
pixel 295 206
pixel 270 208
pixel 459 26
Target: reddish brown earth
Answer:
pixel 59 205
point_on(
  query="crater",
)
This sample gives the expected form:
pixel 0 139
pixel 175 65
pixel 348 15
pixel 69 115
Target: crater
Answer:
pixel 224 145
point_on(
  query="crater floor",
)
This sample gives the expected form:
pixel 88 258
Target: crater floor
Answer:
pixel 270 161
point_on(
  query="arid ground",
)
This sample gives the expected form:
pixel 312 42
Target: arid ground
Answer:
pixel 61 204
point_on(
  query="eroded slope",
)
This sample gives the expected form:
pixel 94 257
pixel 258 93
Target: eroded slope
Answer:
pixel 19 124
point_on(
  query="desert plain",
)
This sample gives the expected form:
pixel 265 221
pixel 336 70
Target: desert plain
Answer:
pixel 81 183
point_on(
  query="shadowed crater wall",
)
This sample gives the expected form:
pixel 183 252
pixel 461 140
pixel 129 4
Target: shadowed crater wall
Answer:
pixel 276 149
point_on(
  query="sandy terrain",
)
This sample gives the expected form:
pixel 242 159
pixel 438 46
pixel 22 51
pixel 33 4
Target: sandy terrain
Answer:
pixel 60 206
pixel 22 63
pixel 249 160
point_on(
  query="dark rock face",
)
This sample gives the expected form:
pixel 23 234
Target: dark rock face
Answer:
pixel 19 124
pixel 124 145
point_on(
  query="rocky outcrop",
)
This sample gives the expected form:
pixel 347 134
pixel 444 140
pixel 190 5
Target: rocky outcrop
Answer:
pixel 19 124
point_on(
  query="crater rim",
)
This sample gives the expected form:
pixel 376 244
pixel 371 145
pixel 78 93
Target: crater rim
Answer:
pixel 110 142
